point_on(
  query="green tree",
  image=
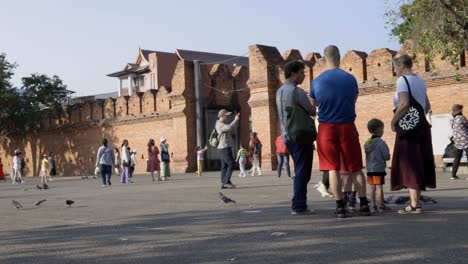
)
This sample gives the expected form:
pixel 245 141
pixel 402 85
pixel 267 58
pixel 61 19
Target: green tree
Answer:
pixel 433 26
pixel 23 112
pixel 9 99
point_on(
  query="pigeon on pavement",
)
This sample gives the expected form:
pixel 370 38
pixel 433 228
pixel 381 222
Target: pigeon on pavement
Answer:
pixel 39 202
pixel 69 202
pixel 45 186
pixel 16 204
pixel 225 199
pixel 39 187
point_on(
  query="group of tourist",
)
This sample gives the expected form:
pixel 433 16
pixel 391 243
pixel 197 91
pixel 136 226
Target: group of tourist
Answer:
pixel 124 165
pixel 48 168
pixel 335 92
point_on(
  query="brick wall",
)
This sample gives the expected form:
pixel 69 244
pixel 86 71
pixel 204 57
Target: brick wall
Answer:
pixel 170 110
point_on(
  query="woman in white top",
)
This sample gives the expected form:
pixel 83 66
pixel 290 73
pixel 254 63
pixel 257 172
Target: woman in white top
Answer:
pixel 17 168
pixel 413 164
pixel 125 162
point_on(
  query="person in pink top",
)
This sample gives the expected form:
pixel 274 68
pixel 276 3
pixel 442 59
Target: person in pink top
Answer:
pixel 283 156
pixel 153 161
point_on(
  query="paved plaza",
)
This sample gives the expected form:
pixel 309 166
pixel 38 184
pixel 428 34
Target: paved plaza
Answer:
pixel 183 221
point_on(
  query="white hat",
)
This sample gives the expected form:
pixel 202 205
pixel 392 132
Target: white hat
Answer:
pixel 134 151
pixel 162 139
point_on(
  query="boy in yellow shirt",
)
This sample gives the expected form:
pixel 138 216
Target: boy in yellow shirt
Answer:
pixel 44 168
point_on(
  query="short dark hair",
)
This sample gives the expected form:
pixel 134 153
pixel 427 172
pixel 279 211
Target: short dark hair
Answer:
pixel 104 141
pixel 292 67
pixel 404 59
pixel 374 124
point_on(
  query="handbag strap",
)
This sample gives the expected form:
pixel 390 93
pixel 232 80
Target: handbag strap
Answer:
pixel 409 87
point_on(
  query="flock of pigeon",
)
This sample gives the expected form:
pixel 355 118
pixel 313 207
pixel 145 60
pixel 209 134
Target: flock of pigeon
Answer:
pixel 43 187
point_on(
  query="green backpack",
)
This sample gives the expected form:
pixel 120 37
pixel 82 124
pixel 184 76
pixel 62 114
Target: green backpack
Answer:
pixel 300 126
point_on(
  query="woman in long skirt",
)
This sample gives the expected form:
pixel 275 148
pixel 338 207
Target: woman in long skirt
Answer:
pixel 153 161
pixel 413 166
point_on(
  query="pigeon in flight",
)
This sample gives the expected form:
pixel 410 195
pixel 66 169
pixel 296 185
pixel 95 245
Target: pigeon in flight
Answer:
pixel 39 187
pixel 39 202
pixel 69 202
pixel 225 199
pixel 17 204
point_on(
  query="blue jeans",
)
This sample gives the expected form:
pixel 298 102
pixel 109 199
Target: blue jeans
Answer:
pixel 302 156
pixel 283 158
pixel 227 164
pixel 106 173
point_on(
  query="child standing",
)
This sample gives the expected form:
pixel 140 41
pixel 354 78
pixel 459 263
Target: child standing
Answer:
pixel 242 159
pixel 377 153
pixel 133 163
pixel 44 168
pixel 200 151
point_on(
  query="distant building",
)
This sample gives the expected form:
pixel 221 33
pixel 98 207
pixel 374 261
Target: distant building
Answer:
pixel 153 69
pixel 90 98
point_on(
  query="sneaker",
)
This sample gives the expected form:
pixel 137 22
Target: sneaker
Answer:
pixel 383 209
pixel 303 212
pixel 104 185
pixel 323 190
pixel 109 183
pixel 374 209
pixel 364 210
pixel 340 212
pixel 454 178
pixel 228 186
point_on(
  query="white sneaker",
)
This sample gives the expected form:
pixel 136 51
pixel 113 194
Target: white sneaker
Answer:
pixel 323 190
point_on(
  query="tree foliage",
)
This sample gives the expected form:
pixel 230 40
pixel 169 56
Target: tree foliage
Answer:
pixel 433 26
pixel 23 110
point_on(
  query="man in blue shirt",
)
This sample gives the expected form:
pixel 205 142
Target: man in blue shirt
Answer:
pixel 335 93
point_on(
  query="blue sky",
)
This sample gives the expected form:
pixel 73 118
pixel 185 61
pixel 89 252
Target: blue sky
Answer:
pixel 82 41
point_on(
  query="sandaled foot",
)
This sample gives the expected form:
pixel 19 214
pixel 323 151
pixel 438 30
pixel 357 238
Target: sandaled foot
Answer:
pixel 411 210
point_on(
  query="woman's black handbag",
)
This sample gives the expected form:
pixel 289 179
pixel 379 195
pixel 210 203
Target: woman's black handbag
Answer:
pixel 414 118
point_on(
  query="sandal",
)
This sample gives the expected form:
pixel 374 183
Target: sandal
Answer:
pixel 411 210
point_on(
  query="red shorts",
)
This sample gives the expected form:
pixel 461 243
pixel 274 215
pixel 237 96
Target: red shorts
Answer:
pixel 376 180
pixel 338 147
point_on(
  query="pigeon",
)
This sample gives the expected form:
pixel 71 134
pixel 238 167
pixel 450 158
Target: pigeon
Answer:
pixel 39 202
pixel 402 200
pixel 16 204
pixel 69 202
pixel 39 187
pixel 45 186
pixel 225 199
pixel 83 177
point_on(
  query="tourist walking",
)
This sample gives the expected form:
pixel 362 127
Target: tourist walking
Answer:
pixel 117 163
pixel 460 137
pixel 282 155
pixel 335 93
pixel 133 163
pixel 2 174
pixel 17 168
pixel 241 158
pixel 225 145
pixel 165 158
pixel 200 153
pixel 413 166
pixel 53 169
pixel 104 160
pixel 300 146
pixel 255 155
pixel 45 166
pixel 152 165
pixel 125 160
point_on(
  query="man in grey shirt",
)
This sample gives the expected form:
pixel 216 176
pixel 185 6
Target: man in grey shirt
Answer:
pixel 225 146
pixel 302 154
